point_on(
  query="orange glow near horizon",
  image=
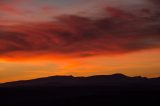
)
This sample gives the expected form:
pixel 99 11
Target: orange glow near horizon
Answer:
pixel 145 63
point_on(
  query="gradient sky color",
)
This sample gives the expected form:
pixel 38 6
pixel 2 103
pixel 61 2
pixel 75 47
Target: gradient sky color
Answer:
pixel 40 38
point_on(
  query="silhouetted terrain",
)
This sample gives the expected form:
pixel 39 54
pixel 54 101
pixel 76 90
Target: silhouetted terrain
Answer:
pixel 101 90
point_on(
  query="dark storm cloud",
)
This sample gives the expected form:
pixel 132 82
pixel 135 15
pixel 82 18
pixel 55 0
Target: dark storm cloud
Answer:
pixel 118 32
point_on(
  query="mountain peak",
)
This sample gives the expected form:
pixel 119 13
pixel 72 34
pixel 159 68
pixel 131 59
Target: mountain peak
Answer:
pixel 119 75
pixel 113 76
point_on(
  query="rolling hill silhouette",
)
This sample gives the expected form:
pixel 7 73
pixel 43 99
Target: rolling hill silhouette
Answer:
pixel 99 90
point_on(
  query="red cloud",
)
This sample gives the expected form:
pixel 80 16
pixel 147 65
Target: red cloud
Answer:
pixel 48 9
pixel 82 36
pixel 11 7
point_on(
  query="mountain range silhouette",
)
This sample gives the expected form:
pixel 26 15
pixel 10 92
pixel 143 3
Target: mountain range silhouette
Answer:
pixel 80 81
pixel 98 90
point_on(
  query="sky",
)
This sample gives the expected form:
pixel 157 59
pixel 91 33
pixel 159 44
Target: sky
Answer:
pixel 40 38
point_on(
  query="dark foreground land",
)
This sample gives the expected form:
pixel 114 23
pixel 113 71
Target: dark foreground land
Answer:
pixel 109 90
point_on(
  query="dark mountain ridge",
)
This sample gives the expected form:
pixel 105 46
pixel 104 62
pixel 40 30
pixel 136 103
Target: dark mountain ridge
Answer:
pixel 97 80
pixel 99 90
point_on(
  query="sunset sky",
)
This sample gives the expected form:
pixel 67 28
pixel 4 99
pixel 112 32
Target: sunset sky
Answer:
pixel 40 38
